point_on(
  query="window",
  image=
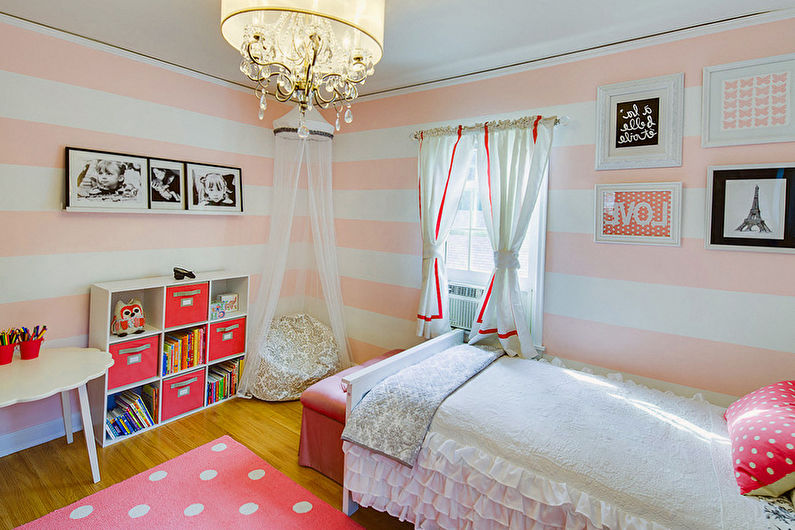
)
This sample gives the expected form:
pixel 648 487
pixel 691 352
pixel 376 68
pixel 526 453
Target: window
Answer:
pixel 469 256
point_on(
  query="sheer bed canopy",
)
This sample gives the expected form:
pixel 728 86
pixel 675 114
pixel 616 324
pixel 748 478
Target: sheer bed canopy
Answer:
pixel 298 334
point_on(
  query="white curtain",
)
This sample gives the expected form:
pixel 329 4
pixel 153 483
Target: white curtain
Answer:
pixel 444 161
pixel 511 163
pixel 300 261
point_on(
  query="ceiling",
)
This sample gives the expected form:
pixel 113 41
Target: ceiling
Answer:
pixel 425 40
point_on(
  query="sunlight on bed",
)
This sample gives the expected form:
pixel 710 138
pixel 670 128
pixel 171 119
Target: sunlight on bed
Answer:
pixel 674 420
pixel 591 379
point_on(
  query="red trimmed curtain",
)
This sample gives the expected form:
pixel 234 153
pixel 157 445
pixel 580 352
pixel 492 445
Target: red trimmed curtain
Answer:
pixel 511 163
pixel 444 162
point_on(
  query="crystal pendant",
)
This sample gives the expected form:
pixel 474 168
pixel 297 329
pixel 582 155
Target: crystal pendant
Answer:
pixel 263 102
pixel 303 131
pixel 261 113
pixel 348 115
pixel 337 123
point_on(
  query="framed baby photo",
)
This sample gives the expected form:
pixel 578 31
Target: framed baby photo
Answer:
pixel 751 207
pixel 648 213
pixel 749 102
pixel 639 123
pixel 214 188
pixel 97 180
pixel 166 184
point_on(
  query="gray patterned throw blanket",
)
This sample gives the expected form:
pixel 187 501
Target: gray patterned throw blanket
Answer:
pixel 780 513
pixel 394 416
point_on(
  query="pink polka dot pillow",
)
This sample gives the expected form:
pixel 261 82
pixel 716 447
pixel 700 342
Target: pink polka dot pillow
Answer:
pixel 762 432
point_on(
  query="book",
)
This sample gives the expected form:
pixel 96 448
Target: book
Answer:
pixel 151 399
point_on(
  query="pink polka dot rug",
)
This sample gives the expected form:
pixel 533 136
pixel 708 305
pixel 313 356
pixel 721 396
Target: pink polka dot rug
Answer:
pixel 221 484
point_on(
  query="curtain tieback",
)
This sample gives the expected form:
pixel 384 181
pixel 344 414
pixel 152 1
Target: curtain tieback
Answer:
pixel 430 251
pixel 506 259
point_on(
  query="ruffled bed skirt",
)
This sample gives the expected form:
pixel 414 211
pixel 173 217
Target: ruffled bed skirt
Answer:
pixel 455 487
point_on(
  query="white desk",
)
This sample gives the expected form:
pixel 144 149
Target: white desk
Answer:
pixel 57 370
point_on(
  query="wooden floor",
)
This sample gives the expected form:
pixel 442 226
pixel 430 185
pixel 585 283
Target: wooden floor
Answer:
pixel 44 478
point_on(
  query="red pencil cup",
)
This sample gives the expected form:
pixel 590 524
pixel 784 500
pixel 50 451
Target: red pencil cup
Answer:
pixel 29 349
pixel 7 353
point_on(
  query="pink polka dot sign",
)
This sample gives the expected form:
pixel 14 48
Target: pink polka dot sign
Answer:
pixel 762 431
pixel 221 484
pixel 638 213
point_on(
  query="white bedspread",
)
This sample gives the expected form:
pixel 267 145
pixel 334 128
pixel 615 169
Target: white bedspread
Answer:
pixel 622 455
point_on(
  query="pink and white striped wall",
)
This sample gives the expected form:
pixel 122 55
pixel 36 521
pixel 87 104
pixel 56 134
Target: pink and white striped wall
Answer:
pixel 684 315
pixel 715 320
pixel 61 91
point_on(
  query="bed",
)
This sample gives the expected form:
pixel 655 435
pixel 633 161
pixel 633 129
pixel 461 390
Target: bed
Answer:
pixel 525 444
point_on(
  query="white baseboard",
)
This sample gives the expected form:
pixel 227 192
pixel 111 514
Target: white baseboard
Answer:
pixel 37 434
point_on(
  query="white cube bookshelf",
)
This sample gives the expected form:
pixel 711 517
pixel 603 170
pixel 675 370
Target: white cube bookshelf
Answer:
pixel 172 308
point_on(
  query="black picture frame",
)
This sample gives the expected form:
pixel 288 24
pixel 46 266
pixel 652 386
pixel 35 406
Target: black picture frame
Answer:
pixel 214 188
pixel 85 188
pixel 101 200
pixel 164 187
pixel 751 207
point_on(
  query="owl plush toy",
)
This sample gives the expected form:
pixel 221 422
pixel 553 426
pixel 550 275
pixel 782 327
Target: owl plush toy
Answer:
pixel 128 317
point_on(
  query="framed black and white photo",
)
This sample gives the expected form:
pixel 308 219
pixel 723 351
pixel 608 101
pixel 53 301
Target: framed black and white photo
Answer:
pixel 751 207
pixel 214 188
pixel 749 102
pixel 97 180
pixel 639 123
pixel 166 184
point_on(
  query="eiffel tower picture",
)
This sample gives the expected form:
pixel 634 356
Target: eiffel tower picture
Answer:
pixel 754 218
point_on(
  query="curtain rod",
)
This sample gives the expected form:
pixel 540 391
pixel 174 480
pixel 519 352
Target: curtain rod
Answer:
pixel 525 121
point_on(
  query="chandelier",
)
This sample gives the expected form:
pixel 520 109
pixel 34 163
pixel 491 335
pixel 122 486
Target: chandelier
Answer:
pixel 310 52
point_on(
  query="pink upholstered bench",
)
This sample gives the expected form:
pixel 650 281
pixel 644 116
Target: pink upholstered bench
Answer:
pixel 322 421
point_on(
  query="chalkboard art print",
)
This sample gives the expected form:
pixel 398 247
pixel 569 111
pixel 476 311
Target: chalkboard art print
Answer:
pixel 751 207
pixel 214 189
pixel 97 180
pixel 639 123
pixel 166 184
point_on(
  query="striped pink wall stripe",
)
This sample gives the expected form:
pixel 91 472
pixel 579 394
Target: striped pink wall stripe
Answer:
pixel 65 316
pixel 384 236
pixel 717 366
pixel 689 266
pixel 64 232
pixel 362 351
pixel 69 232
pixel 384 174
pixel 47 57
pixel 382 298
pixel 572 167
pixel 30 143
pixel 376 297
pixel 553 85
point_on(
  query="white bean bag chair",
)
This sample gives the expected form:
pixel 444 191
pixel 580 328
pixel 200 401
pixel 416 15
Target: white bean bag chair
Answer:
pixel 300 351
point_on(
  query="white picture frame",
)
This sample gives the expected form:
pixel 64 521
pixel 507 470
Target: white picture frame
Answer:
pixel 648 213
pixel 725 216
pixel 104 181
pixel 214 188
pixel 640 140
pixel 166 184
pixel 749 102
